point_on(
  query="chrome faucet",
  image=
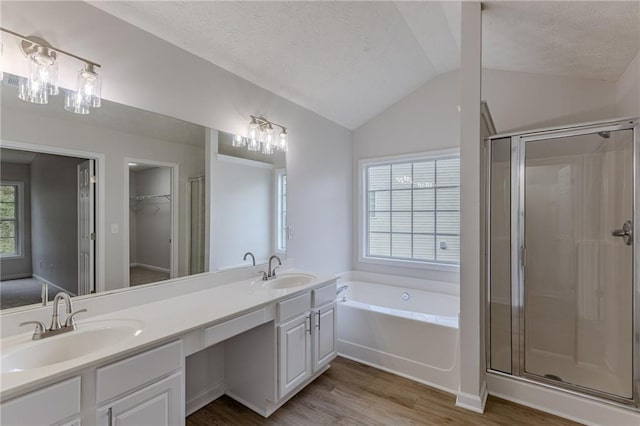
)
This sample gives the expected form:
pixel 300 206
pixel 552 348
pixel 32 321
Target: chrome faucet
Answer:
pixel 253 258
pixel 55 319
pixel 55 328
pixel 342 289
pixel 272 270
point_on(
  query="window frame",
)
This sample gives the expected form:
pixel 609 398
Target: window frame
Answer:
pixel 19 220
pixel 363 204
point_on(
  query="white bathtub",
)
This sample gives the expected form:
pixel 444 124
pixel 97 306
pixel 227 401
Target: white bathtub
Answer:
pixel 409 332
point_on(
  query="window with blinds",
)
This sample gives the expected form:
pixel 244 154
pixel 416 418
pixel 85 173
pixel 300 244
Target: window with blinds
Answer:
pixel 413 210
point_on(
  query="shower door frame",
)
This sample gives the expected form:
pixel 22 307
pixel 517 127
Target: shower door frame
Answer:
pixel 518 254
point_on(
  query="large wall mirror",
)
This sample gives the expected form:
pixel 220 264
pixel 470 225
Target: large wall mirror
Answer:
pixel 117 199
pixel 249 205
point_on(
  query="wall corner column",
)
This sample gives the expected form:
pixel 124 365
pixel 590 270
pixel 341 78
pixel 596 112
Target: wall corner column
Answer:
pixel 472 392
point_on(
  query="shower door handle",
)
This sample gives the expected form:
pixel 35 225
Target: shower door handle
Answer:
pixel 626 233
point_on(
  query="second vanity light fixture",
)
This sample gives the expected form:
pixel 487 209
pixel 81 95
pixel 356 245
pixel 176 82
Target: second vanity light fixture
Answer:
pixel 42 80
pixel 261 137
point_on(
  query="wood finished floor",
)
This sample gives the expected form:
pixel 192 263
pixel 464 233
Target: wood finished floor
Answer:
pixel 350 393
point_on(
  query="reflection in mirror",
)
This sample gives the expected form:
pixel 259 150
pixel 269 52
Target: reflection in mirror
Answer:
pixel 46 226
pixel 249 205
pixel 150 224
pixel 65 198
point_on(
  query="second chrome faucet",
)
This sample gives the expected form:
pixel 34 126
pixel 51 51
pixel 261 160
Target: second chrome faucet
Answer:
pixel 272 269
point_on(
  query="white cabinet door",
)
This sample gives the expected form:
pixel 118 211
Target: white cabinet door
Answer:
pixel 159 404
pixel 324 340
pixel 294 347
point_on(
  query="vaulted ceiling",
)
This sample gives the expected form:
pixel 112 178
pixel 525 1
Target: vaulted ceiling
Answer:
pixel 349 61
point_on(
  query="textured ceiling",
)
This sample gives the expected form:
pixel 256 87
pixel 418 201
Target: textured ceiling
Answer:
pixel 348 61
pixel 583 39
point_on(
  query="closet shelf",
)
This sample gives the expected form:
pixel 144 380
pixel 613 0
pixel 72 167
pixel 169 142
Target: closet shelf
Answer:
pixel 150 197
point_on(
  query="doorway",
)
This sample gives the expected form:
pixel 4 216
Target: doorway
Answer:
pixel 152 219
pixel 48 224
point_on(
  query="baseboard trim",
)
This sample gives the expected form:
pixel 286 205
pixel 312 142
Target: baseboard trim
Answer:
pixel 153 268
pixel 16 277
pixel 205 397
pixel 473 402
pixel 53 284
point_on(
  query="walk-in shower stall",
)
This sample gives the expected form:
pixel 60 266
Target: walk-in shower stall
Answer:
pixel 563 269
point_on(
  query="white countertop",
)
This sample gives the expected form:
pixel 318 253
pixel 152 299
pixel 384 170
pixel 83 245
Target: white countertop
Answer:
pixel 162 320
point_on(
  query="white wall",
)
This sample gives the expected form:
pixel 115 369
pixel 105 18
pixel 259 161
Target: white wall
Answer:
pixel 146 72
pixel 628 90
pixel 153 218
pixel 242 212
pixel 19 267
pixel 522 101
pixel 54 219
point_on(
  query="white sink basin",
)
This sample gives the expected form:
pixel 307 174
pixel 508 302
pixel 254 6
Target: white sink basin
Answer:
pixel 89 337
pixel 290 281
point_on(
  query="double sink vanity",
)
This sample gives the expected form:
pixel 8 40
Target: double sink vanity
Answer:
pixel 128 366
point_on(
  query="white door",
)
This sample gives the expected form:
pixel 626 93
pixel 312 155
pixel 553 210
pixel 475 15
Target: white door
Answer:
pixel 294 346
pixel 86 227
pixel 158 404
pixel 324 341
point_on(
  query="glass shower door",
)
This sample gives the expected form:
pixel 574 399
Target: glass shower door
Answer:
pixel 578 261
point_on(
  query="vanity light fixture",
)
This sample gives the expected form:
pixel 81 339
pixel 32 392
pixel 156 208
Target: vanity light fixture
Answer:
pixel 42 80
pixel 261 137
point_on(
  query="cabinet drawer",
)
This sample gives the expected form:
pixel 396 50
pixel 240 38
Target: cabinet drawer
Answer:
pixel 324 295
pixel 131 373
pixel 233 327
pixel 50 405
pixel 294 306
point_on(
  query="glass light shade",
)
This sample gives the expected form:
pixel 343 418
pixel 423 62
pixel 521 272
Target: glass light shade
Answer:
pixel 268 135
pixel 283 144
pixel 30 91
pixel 52 84
pixel 238 141
pixel 252 131
pixel 43 71
pixel 253 145
pixel 75 102
pixel 90 86
pixel 268 149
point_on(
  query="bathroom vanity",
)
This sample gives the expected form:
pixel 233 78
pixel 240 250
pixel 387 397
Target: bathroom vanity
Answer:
pixel 127 367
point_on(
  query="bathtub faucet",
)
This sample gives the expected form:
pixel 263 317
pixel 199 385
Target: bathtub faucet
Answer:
pixel 341 290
